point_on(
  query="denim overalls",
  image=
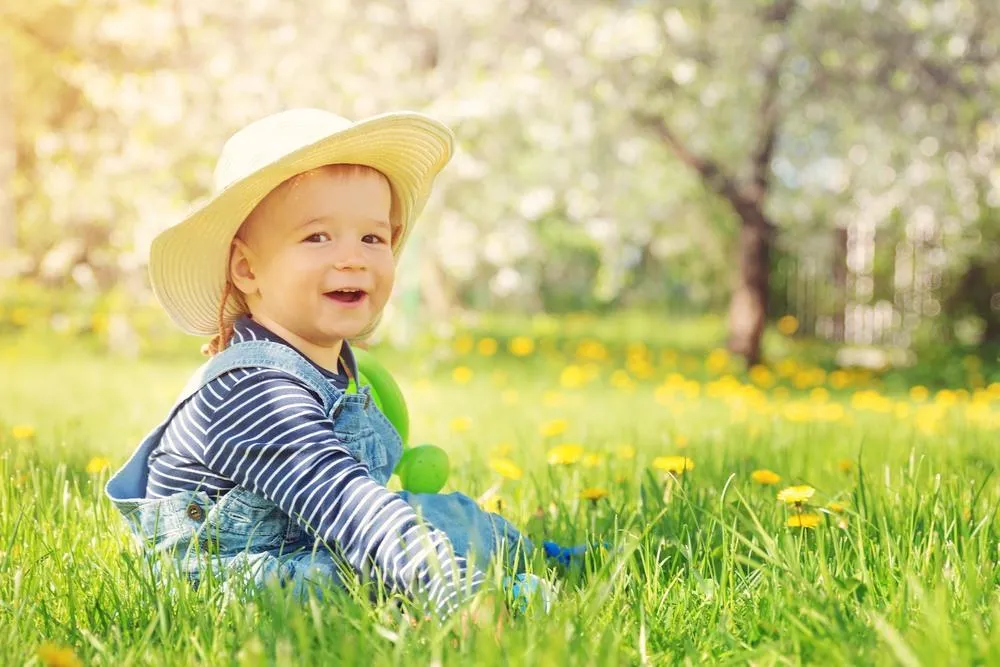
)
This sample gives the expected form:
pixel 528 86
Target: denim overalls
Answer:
pixel 244 535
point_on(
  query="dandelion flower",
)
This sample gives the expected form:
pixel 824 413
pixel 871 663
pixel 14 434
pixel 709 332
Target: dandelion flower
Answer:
pixel 572 376
pixel 461 374
pixel 625 452
pixel 845 465
pixel 460 424
pixel 506 468
pixel 551 429
pixel 796 495
pixel 673 464
pixel 592 460
pixel 788 325
pixel 521 346
pixel 97 464
pixel 836 508
pixel 765 477
pixel 807 520
pixel 463 344
pixel 57 656
pixel 23 432
pixel 565 454
pixel 593 494
pixel 487 347
pixel 493 504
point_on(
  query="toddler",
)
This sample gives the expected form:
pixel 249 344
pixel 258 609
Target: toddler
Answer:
pixel 267 468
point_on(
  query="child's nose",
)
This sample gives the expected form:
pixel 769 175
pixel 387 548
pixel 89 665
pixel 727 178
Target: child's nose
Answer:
pixel 349 256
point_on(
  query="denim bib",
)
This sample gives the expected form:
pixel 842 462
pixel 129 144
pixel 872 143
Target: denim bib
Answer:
pixel 243 528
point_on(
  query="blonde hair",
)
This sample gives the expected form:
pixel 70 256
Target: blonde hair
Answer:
pixel 224 335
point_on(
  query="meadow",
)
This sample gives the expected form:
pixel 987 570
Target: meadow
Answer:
pixel 789 514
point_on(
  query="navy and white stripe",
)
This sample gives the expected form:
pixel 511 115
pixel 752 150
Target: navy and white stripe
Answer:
pixel 266 431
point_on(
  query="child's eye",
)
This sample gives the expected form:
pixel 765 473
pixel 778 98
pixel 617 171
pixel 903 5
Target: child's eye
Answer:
pixel 318 237
pixel 372 238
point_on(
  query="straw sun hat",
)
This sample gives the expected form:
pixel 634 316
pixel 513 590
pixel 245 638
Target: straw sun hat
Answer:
pixel 188 262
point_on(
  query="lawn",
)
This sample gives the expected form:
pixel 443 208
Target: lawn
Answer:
pixel 662 452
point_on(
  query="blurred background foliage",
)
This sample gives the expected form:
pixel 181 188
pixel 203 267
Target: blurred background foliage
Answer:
pixel 825 167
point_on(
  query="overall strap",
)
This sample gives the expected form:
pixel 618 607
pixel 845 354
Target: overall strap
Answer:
pixel 265 354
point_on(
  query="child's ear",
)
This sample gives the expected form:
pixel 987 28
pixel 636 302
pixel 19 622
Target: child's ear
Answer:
pixel 240 268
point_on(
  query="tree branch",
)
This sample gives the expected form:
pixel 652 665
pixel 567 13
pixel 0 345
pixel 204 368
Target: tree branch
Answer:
pixel 708 169
pixel 769 116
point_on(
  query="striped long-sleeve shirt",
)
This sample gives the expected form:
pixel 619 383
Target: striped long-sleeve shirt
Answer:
pixel 266 431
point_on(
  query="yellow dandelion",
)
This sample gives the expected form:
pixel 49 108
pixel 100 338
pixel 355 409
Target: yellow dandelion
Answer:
pixel 796 495
pixel 591 350
pixel 506 468
pixel 681 441
pixel 765 477
pixel 593 494
pixel 807 520
pixel 845 465
pixel 493 504
pixel 839 379
pixel 20 317
pixel 487 347
pixel 521 346
pixel 919 393
pixel 836 508
pixel 673 464
pixel 554 427
pixel 463 344
pixel 460 424
pixel 565 454
pixel 625 452
pixel 461 374
pixel 23 432
pixel 52 655
pixel 621 380
pixel 572 376
pixel 717 361
pixel 592 460
pixel 788 325
pixel 762 376
pixel 97 465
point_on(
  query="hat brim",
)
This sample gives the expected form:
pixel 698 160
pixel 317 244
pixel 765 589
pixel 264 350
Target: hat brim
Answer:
pixel 188 261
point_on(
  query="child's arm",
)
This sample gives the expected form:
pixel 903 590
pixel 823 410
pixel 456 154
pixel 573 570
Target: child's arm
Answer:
pixel 271 436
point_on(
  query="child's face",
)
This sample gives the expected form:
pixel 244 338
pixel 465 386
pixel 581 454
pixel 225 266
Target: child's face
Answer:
pixel 306 242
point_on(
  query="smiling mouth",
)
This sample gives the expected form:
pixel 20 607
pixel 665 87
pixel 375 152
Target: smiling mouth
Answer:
pixel 348 295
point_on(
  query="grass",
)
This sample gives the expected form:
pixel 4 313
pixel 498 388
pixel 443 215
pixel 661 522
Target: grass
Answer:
pixel 704 569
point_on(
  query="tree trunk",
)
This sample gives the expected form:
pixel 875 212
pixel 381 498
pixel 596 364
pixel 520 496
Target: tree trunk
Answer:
pixel 748 308
pixel 976 294
pixel 839 271
pixel 992 332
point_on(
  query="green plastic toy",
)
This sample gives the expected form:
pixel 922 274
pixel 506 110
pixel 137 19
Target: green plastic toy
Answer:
pixel 422 469
pixel 385 391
